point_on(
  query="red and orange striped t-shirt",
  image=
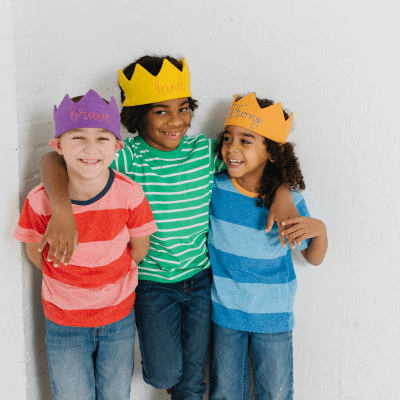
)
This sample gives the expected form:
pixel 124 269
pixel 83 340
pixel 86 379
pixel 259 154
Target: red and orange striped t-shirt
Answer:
pixel 98 286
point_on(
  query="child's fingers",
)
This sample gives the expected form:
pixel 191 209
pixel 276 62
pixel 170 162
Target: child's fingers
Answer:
pixel 300 239
pixel 292 221
pixel 294 228
pixel 282 227
pixel 68 255
pixel 270 222
pixel 43 242
pixel 281 237
pixel 60 252
pixel 295 233
pixel 76 243
pixel 52 250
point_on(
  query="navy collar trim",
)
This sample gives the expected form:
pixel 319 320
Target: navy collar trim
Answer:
pixel 100 195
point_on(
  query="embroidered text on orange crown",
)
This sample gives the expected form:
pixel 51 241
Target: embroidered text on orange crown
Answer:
pixel 145 88
pixel 268 122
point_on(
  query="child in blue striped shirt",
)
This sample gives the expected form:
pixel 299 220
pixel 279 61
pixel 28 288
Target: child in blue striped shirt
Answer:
pixel 254 282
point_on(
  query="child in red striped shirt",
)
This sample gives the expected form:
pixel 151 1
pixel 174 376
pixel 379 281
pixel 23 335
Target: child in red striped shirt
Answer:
pixel 88 303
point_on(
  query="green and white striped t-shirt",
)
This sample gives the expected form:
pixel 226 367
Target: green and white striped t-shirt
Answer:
pixel 178 186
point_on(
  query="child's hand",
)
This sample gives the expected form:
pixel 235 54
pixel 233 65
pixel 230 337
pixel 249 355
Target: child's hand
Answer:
pixel 63 233
pixel 282 209
pixel 302 228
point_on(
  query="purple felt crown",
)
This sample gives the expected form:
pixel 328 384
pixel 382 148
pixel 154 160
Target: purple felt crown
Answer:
pixel 91 111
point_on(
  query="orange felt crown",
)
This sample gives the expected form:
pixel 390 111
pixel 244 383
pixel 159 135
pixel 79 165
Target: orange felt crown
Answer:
pixel 268 122
pixel 145 88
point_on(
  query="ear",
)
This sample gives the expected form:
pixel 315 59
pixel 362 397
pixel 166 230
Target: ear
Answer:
pixel 56 145
pixel 119 146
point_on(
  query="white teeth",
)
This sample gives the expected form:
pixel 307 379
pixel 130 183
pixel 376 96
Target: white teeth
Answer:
pixel 172 134
pixel 235 162
pixel 89 161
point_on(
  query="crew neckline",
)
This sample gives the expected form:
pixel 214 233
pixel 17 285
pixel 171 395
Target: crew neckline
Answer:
pixel 100 195
pixel 161 153
pixel 241 190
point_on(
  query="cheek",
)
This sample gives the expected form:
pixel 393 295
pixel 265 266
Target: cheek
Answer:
pixel 188 119
pixel 251 156
pixel 151 124
pixel 73 147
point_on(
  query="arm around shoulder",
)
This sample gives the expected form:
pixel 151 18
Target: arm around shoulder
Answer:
pixel 55 178
pixel 62 229
pixel 302 228
pixel 316 250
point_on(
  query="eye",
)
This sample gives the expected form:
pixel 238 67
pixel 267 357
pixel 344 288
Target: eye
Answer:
pixel 244 141
pixel 104 138
pixel 184 109
pixel 161 112
pixel 77 138
pixel 226 139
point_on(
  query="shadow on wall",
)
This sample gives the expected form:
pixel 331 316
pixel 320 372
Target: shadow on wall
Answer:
pixel 37 369
pixel 215 118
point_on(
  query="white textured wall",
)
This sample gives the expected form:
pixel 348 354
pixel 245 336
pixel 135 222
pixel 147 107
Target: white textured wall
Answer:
pixel 330 62
pixel 12 361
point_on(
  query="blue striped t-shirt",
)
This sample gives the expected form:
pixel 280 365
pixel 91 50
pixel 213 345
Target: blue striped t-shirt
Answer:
pixel 254 282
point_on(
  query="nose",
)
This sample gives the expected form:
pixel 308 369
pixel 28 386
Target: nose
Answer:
pixel 90 146
pixel 175 119
pixel 233 146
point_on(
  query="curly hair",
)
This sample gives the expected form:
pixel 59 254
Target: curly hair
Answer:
pixel 134 117
pixel 283 168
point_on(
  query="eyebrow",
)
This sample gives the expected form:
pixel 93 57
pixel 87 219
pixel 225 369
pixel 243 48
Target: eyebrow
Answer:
pixel 248 135
pixel 165 106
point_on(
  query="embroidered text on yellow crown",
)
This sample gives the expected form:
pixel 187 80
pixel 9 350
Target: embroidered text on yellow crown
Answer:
pixel 268 122
pixel 145 88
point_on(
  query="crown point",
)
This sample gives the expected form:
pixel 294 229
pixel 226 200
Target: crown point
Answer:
pixel 145 88
pixel 268 122
pixel 91 111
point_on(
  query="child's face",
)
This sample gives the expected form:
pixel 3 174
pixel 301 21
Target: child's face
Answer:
pixel 88 152
pixel 244 153
pixel 167 123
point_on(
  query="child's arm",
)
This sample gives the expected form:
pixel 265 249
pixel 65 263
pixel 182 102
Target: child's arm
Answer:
pixel 34 255
pixel 308 228
pixel 61 230
pixel 282 209
pixel 140 248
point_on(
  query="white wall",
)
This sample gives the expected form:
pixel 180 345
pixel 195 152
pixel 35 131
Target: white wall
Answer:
pixel 332 63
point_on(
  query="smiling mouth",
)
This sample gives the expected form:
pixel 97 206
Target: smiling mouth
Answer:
pixel 89 161
pixel 234 163
pixel 172 134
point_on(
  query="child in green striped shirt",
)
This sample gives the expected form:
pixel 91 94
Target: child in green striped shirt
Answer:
pixel 176 172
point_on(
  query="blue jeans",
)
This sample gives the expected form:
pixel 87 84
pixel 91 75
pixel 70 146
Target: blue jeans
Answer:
pixel 271 359
pixel 174 322
pixel 91 363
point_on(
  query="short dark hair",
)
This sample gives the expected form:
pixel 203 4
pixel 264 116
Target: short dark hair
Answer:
pixel 285 168
pixel 78 98
pixel 134 117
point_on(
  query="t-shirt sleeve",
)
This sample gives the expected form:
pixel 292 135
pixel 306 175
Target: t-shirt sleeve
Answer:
pixel 141 220
pixel 123 158
pixel 303 211
pixel 31 225
pixel 217 164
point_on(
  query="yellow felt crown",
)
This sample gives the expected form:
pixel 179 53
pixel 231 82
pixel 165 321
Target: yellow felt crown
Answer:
pixel 145 88
pixel 268 122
